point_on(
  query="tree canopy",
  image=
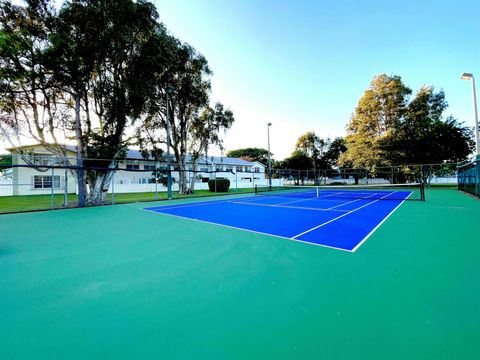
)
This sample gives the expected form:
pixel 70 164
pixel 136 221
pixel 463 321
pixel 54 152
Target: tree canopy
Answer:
pixel 387 128
pixel 250 154
pixel 96 73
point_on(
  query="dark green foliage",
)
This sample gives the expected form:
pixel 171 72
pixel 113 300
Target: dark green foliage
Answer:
pixel 5 160
pixel 97 70
pixel 388 128
pixel 297 161
pixel 250 154
pixel 219 185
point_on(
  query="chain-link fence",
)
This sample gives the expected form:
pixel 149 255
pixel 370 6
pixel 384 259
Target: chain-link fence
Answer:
pixel 41 181
pixel 430 174
pixel 469 177
pixel 38 182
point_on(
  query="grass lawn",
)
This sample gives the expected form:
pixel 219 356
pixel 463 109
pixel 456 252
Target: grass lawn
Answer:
pixel 10 204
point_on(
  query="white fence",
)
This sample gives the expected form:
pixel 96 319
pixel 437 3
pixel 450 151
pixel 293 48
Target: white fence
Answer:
pixel 6 186
pixel 443 180
pixel 140 188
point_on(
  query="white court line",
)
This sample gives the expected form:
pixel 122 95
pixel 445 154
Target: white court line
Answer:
pixel 247 230
pixel 283 206
pixel 284 197
pixel 321 197
pixel 381 222
pixel 293 201
pixel 349 202
pixel 174 206
pixel 339 217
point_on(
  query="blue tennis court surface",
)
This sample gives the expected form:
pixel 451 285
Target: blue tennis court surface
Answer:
pixel 333 219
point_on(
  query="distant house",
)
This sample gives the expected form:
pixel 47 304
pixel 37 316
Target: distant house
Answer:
pixel 134 174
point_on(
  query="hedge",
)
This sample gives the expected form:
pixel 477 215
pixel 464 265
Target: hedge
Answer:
pixel 222 185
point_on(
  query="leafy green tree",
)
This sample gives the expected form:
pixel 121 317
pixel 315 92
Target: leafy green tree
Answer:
pixel 425 137
pixel 312 146
pixel 6 160
pixel 250 154
pixel 296 166
pixel 324 153
pixel 388 129
pixel 90 73
pixel 205 131
pixel 188 75
pixel 98 49
pixel 31 105
pixel 335 149
pixel 377 115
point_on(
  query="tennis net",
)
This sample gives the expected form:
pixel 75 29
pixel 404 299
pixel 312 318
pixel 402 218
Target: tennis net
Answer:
pixel 410 191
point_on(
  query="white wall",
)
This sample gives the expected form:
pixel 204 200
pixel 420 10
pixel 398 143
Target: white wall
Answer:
pixel 6 186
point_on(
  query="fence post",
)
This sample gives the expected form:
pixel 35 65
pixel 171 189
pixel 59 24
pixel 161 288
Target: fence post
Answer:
pixel 52 192
pixel 65 197
pixel 113 184
pixel 156 179
pixel 477 183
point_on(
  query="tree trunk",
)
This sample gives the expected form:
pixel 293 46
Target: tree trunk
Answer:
pixel 79 138
pixel 98 187
pixel 193 178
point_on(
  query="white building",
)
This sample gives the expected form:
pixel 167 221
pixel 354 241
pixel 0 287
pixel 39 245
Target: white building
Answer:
pixel 134 174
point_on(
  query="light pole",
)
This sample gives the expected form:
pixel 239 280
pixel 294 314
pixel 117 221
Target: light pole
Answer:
pixel 169 91
pixel 269 157
pixel 469 76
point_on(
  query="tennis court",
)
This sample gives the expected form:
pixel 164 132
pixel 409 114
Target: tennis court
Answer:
pixel 337 217
pixel 121 282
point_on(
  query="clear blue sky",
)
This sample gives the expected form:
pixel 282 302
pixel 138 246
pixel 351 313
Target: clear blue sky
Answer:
pixel 303 65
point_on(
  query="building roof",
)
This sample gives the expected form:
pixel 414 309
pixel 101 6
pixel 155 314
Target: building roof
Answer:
pixel 133 154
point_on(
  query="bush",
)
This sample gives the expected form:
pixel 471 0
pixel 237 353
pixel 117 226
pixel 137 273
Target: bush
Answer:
pixel 222 185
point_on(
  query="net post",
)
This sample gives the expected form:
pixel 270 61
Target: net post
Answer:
pixel 317 188
pixel 422 191
pixel 255 189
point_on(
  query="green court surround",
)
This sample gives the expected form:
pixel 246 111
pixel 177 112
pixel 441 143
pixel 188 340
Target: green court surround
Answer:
pixel 118 282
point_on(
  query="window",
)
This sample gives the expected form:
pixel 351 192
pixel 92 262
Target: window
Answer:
pixel 218 168
pixel 204 169
pixel 239 168
pixel 148 167
pixel 256 169
pixel 42 159
pixel 45 182
pixel 133 167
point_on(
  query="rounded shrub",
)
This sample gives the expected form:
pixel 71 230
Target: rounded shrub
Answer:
pixel 222 185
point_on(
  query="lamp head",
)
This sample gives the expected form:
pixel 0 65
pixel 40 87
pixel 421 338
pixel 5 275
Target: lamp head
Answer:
pixel 170 89
pixel 466 76
pixel 269 124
